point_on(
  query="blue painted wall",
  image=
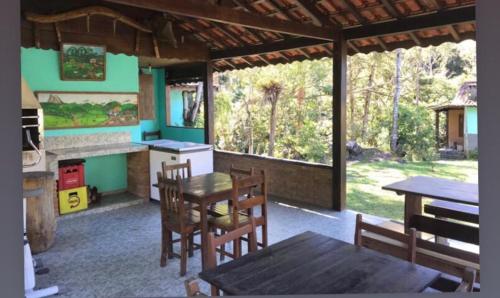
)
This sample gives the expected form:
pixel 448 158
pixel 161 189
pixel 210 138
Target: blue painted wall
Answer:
pixel 40 68
pixel 170 132
pixel 471 118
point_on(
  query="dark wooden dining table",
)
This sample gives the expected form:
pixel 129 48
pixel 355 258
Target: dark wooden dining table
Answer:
pixel 414 188
pixel 311 263
pixel 205 190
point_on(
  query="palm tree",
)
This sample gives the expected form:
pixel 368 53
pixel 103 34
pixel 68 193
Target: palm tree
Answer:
pixel 272 91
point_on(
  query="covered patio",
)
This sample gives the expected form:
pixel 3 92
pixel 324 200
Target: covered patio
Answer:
pixel 116 253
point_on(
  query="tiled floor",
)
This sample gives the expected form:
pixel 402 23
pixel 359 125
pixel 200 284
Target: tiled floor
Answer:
pixel 116 253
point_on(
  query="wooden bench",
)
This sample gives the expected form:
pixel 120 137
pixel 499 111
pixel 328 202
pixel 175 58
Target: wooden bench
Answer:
pixel 444 258
pixel 461 212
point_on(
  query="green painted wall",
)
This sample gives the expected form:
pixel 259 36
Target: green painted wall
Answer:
pixel 176 108
pixel 40 68
pixel 169 132
pixel 471 118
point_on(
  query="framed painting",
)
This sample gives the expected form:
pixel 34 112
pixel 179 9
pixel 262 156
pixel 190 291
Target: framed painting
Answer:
pixel 82 62
pixel 88 109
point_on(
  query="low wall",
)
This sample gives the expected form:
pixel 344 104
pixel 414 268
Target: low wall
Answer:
pixel 294 180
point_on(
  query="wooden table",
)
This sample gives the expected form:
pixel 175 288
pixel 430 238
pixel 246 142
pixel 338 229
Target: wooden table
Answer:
pixel 205 190
pixel 310 263
pixel 415 188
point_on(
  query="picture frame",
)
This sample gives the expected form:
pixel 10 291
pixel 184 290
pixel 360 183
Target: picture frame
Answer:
pixel 82 62
pixel 65 110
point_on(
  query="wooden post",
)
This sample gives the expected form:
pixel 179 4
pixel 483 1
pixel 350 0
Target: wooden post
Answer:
pixel 447 113
pixel 339 122
pixel 437 129
pixel 208 102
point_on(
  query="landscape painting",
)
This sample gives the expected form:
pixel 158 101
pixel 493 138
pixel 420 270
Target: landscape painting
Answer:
pixel 85 109
pixel 83 62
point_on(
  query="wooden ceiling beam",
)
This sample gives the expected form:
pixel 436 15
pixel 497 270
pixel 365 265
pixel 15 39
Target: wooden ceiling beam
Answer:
pixel 222 14
pixel 391 9
pixel 438 19
pixel 415 38
pixel 86 12
pixel 287 44
pixel 309 6
pixel 453 33
pixel 351 45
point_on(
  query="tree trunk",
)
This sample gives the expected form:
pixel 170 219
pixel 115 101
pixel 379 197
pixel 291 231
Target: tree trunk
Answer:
pixel 368 98
pixel 197 103
pixel 417 76
pixel 351 103
pixel 395 107
pixel 272 131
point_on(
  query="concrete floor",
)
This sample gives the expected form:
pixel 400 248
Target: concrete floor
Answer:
pixel 117 253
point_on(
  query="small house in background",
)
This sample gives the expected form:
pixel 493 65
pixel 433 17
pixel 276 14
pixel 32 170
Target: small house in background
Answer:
pixel 458 139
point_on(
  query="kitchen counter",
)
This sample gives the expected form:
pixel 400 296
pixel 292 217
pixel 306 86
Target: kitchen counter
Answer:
pixel 55 155
pixel 176 146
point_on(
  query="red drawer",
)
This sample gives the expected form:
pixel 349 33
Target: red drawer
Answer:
pixel 71 176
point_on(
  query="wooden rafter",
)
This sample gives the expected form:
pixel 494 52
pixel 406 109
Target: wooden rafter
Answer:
pixel 415 38
pixel 438 19
pixel 222 14
pixel 453 32
pixel 351 45
pixel 312 10
pixel 287 44
pixel 85 12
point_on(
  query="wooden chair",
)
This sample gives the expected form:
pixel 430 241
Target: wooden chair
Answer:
pixel 468 280
pixel 385 240
pixel 450 260
pixel 184 171
pixel 192 287
pixel 176 217
pixel 222 209
pixel 238 216
pixel 146 135
pixel 181 169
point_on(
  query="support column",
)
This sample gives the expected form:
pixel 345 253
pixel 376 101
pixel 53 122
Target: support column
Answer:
pixel 208 103
pixel 437 129
pixel 339 122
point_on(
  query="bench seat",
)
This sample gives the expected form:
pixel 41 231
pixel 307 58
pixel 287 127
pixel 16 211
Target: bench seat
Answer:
pixel 461 212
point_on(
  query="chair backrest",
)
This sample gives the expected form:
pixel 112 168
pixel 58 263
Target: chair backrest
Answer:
pixel 181 169
pixel 408 239
pixel 245 185
pixel 240 172
pixel 446 229
pixel 214 242
pixel 468 280
pixel 171 198
pixel 147 134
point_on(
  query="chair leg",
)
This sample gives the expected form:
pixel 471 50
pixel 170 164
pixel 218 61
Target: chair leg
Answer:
pixel 170 245
pixel 264 235
pixel 164 245
pixel 214 291
pixel 184 252
pixel 191 245
pixel 236 248
pixel 222 248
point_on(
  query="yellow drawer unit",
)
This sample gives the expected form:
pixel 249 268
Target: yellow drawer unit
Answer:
pixel 72 200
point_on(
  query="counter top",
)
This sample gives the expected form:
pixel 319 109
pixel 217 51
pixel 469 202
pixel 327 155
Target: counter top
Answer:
pixel 55 155
pixel 176 146
pixel 98 150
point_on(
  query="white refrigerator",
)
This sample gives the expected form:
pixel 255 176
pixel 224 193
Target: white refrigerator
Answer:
pixel 173 152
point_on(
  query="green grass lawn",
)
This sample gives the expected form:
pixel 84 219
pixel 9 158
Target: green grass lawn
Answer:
pixel 365 181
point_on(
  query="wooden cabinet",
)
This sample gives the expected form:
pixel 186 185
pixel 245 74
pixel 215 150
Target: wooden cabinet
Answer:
pixel 146 97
